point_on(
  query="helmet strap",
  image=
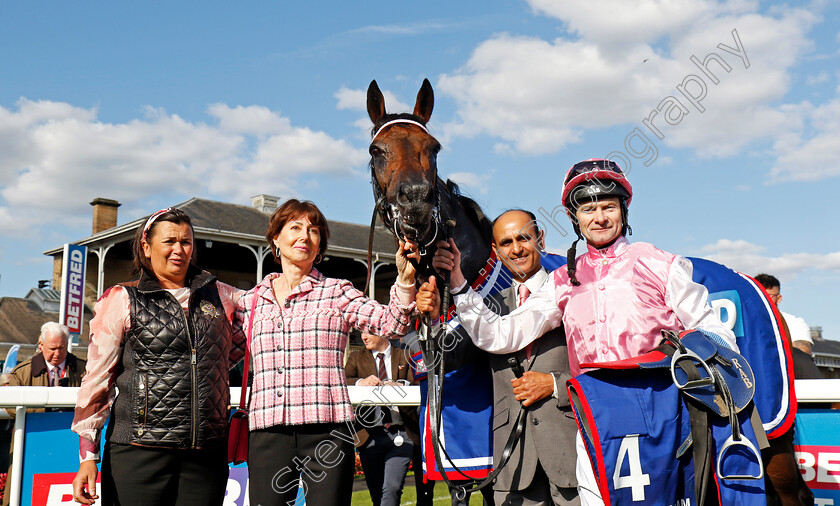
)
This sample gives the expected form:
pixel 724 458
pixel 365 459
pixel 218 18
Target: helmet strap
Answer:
pixel 571 262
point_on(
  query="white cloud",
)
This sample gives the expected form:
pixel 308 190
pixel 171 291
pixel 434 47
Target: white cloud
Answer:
pixel 255 119
pixel 815 156
pixel 750 259
pixel 615 22
pixel 815 79
pixel 540 95
pixel 58 157
pixel 419 28
pixel 471 181
pixel 356 100
pixel 350 99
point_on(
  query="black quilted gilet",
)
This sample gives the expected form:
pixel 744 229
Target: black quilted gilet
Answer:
pixel 170 396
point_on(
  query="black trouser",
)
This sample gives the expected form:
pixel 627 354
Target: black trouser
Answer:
pixel 136 475
pixel 321 455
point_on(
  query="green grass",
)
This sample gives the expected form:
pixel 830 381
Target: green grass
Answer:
pixel 409 495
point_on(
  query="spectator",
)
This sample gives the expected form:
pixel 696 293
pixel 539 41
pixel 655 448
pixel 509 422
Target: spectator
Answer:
pixel 784 483
pixel 798 331
pixel 302 320
pixel 392 433
pixel 167 343
pixel 51 366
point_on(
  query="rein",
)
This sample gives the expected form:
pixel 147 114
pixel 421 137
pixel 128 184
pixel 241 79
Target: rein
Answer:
pixel 436 375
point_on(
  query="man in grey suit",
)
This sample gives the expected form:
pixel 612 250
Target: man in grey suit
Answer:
pixel 541 469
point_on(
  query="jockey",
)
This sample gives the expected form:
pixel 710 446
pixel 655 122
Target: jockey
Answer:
pixel 613 300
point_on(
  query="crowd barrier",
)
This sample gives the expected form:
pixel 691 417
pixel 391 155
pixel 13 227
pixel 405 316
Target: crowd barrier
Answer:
pixel 45 461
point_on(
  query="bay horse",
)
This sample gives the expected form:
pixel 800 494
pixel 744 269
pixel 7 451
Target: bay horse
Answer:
pixel 414 202
pixel 411 198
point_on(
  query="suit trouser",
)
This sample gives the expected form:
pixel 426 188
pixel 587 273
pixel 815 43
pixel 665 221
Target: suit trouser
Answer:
pixel 136 475
pixel 425 491
pixel 319 456
pixel 385 464
pixel 539 492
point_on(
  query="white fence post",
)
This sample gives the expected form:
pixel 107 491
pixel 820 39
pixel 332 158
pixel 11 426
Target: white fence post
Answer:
pixel 17 458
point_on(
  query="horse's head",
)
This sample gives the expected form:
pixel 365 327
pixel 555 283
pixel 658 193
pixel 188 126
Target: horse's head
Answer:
pixel 403 160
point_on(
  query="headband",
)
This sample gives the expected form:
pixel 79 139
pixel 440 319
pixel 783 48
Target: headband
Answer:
pixel 152 219
pixel 389 123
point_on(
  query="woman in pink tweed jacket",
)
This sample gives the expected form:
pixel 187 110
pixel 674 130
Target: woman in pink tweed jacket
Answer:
pixel 300 412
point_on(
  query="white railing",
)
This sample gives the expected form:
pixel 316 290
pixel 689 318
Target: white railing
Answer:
pixel 22 398
pixel 63 397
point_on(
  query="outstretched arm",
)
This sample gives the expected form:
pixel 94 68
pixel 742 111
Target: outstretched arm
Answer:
pixel 488 330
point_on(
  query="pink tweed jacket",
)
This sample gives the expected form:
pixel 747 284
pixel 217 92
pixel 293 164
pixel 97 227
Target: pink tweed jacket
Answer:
pixel 297 349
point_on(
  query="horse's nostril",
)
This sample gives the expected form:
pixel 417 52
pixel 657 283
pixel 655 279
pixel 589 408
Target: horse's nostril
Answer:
pixel 430 195
pixel 415 193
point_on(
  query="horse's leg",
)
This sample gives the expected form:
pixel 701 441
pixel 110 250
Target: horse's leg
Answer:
pixel 784 475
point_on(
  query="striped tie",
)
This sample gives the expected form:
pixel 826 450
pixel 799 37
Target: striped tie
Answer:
pixel 383 376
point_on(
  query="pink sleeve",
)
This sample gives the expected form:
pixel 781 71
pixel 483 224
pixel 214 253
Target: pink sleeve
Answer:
pixel 370 316
pixel 96 394
pixel 230 300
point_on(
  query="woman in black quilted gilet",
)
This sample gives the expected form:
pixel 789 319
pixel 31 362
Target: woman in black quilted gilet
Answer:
pixel 167 343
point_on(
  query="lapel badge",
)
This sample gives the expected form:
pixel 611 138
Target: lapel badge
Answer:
pixel 209 309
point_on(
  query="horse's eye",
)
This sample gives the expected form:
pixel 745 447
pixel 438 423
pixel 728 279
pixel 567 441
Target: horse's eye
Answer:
pixel 375 152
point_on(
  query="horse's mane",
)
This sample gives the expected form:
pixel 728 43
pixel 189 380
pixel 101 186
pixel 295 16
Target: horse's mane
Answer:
pixel 472 209
pixel 393 116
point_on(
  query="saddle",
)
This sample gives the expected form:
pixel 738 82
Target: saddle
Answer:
pixel 714 380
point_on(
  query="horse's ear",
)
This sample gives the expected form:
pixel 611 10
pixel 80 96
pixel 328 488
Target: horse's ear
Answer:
pixel 425 101
pixel 375 102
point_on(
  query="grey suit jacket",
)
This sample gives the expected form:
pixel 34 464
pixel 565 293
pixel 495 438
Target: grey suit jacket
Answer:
pixel 549 434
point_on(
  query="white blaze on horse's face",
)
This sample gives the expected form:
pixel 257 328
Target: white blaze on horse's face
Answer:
pixel 404 162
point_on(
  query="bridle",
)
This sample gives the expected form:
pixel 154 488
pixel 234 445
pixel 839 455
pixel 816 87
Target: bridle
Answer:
pixel 430 344
pixel 390 212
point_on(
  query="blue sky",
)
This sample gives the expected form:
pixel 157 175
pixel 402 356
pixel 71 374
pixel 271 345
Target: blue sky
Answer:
pixel 151 104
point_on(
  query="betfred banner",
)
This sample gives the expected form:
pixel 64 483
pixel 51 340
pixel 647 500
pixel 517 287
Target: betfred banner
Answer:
pixel 817 446
pixel 73 288
pixel 56 489
pixel 51 460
